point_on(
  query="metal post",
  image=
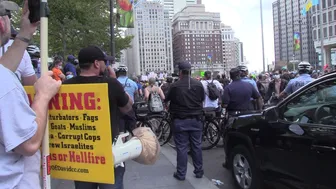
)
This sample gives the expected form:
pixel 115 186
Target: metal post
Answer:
pixel 44 12
pixel 262 35
pixel 112 44
pixel 321 34
pixel 300 31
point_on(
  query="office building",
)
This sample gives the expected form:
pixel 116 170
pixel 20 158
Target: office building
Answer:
pixel 232 49
pixel 175 6
pixel 197 38
pixel 288 22
pixel 152 43
pixel 329 29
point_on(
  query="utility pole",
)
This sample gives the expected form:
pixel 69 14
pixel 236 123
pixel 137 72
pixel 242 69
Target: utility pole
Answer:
pixel 321 34
pixel 112 44
pixel 262 35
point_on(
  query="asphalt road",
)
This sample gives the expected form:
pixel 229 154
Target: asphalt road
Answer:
pixel 213 169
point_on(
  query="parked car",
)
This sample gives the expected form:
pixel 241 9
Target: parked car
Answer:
pixel 292 144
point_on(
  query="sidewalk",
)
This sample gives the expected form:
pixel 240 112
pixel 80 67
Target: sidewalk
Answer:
pixel 158 176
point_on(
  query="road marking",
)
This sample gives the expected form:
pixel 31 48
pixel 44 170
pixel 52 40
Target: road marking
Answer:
pixel 202 183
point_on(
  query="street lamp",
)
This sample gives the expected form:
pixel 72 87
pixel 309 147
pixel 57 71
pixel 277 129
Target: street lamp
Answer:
pixel 262 35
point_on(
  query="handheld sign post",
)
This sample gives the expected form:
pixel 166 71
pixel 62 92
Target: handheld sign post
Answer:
pixel 44 11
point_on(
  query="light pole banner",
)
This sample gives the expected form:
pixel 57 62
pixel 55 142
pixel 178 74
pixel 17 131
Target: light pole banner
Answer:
pixel 80 139
pixel 125 13
pixel 297 38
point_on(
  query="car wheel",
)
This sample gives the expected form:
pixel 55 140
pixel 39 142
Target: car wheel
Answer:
pixel 243 168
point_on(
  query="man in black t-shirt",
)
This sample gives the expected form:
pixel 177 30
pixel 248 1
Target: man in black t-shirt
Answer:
pixel 92 62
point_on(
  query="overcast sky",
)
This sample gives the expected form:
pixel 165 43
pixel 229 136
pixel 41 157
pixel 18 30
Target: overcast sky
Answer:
pixel 244 17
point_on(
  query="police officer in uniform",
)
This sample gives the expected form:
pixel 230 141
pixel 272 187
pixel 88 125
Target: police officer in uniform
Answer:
pixel 238 94
pixel 304 78
pixel 186 98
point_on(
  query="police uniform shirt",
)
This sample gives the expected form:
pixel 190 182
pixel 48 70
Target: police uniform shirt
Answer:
pixel 298 82
pixel 185 102
pixel 237 95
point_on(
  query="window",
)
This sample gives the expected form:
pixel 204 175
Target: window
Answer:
pixel 325 34
pixel 324 4
pixel 324 17
pixel 330 31
pixel 317 105
pixel 330 17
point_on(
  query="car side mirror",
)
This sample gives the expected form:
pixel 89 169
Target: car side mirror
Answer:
pixel 296 129
pixel 271 114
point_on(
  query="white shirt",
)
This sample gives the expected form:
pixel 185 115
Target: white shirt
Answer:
pixel 25 68
pixel 207 102
pixel 17 125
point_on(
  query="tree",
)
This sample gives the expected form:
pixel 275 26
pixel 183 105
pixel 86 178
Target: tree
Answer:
pixel 76 24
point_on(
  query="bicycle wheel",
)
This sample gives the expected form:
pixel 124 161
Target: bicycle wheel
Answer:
pixel 154 122
pixel 166 132
pixel 211 135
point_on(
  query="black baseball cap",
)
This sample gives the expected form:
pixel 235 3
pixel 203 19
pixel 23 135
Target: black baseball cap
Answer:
pixel 91 53
pixel 184 66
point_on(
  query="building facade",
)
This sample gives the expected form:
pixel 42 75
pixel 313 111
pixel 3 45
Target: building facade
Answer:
pixel 175 6
pixel 328 29
pixel 232 49
pixel 197 38
pixel 289 22
pixel 152 43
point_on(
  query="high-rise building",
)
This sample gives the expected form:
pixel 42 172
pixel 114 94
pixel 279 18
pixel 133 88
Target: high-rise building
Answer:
pixel 175 6
pixel 329 29
pixel 152 43
pixel 287 22
pixel 197 38
pixel 232 49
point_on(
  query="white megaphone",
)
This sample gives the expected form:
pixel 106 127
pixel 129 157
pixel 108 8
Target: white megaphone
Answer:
pixel 144 147
pixel 126 151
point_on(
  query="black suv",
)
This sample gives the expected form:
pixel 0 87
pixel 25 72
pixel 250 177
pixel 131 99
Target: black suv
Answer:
pixel 292 144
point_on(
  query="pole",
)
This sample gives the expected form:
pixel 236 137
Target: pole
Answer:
pixel 112 44
pixel 44 11
pixel 321 35
pixel 262 35
pixel 300 31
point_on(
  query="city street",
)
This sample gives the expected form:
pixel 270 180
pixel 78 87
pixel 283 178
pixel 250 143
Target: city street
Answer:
pixel 160 175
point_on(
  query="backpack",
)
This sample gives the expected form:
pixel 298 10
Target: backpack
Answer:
pixel 213 92
pixel 155 104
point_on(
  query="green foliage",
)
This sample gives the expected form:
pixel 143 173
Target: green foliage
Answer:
pixel 75 24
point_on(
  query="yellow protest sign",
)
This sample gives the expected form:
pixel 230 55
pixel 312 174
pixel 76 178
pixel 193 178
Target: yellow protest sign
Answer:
pixel 80 139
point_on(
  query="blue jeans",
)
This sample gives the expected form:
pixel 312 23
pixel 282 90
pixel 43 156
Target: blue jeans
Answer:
pixel 119 181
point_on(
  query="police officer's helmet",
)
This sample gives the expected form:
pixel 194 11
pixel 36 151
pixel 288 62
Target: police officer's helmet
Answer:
pixel 242 68
pixel 122 68
pixel 33 50
pixel 304 66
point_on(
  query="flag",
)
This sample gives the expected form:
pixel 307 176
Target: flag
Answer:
pixel 308 5
pixel 315 2
pixel 125 13
pixel 297 39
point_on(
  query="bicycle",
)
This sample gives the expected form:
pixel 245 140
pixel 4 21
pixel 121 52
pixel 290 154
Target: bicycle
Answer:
pixel 211 130
pixel 146 119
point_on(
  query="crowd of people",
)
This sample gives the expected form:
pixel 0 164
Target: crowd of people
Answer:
pixel 22 125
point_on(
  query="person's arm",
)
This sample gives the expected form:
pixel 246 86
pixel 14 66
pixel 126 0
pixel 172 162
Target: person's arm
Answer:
pixel 26 127
pixel 61 75
pixel 124 101
pixel 28 73
pixel 226 98
pixel 12 58
pixel 258 97
pixel 287 91
pixel 146 95
pixel 111 72
pixel 161 94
